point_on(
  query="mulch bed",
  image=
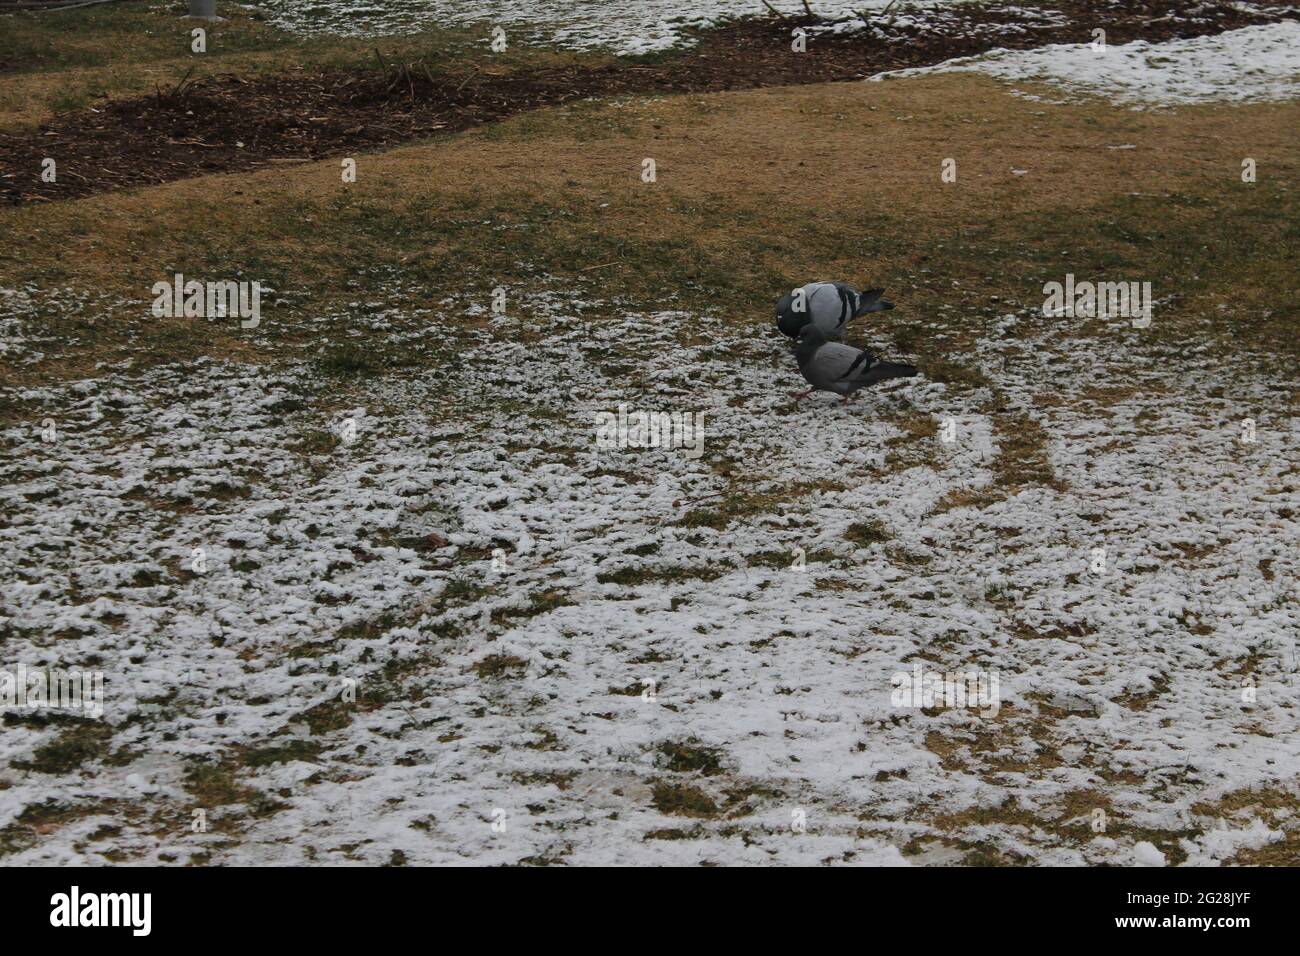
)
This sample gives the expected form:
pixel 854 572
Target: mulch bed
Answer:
pixel 227 123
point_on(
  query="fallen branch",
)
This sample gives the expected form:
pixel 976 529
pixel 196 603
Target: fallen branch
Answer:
pixel 193 142
pixel 180 89
pixel 467 79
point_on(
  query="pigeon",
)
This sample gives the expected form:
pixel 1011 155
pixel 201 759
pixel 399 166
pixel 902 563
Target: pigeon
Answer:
pixel 828 305
pixel 833 367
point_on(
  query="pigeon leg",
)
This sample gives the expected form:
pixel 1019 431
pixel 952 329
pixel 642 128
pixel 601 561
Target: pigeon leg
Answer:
pixel 845 401
pixel 800 396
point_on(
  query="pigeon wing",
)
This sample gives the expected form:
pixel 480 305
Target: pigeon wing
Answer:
pixel 826 307
pixel 872 372
pixel 832 363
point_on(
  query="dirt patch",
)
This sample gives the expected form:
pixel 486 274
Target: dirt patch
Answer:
pixel 231 123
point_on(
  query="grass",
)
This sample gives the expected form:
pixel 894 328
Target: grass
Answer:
pixel 1022 453
pixel 1022 461
pixel 434 215
pixel 1071 827
pixel 539 602
pixel 636 576
pixel 37 821
pixel 347 360
pixel 742 502
pixel 683 800
pixel 1278 807
pixel 541 199
pixel 306 750
pixel 138 31
pixel 317 441
pixel 63 60
pixel 81 743
pixel 500 667
pixel 865 533
pixel 688 757
pixel 215 784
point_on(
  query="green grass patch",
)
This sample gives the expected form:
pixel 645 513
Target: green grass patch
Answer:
pixel 689 757
pixel 500 667
pixel 636 576
pixel 282 753
pixel 81 743
pixel 539 602
pixel 683 800
pixel 126 31
pixel 867 533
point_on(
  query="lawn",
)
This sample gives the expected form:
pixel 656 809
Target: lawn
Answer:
pixel 427 601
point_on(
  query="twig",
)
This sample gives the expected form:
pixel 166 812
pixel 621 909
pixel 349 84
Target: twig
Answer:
pixel 467 79
pixel 695 501
pixel 809 10
pixel 775 11
pixel 177 91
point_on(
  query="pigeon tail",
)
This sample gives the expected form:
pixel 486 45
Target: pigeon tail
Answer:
pixel 871 301
pixel 887 370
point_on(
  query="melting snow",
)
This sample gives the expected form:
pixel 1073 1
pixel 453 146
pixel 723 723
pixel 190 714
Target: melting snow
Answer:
pixel 510 689
pixel 1253 63
pixel 627 28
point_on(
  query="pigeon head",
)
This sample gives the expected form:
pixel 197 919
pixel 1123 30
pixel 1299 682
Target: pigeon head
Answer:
pixel 811 339
pixel 787 319
pixel 810 333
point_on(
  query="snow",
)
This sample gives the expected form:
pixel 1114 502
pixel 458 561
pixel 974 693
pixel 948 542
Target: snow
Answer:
pixel 1253 63
pixel 1127 683
pixel 1147 854
pixel 628 28
pixel 1250 64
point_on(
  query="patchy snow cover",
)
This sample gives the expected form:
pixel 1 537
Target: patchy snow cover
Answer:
pixel 1253 63
pixel 922 18
pixel 628 28
pixel 514 694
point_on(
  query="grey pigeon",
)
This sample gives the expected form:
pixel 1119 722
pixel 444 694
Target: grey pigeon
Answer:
pixel 842 369
pixel 827 305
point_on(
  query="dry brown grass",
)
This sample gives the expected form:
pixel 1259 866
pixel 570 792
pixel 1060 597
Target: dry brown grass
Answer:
pixel 1277 806
pixel 750 145
pixel 741 197
pixel 60 61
